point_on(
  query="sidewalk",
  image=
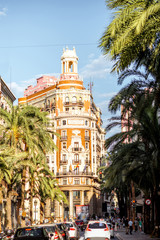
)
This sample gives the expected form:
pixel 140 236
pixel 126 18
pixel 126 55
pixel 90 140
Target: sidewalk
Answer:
pixel 121 235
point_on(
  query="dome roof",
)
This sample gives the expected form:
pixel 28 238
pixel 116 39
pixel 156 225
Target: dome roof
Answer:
pixel 67 53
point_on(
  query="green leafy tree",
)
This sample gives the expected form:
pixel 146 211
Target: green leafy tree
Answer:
pixel 25 128
pixel 133 33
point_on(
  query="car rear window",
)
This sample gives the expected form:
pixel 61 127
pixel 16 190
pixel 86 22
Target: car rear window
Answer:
pixel 69 224
pixel 25 232
pixel 96 225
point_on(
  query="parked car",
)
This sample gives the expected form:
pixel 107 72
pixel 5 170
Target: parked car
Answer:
pixel 97 230
pixel 52 230
pixel 73 230
pixel 79 223
pixel 63 230
pixel 31 233
pixel 111 230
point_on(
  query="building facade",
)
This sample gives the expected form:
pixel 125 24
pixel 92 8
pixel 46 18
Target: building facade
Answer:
pixel 77 120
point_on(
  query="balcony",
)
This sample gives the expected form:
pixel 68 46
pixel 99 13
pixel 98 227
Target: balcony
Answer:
pixel 63 162
pixel 79 103
pixel 87 138
pixel 74 173
pixel 76 162
pixel 76 149
pixel 64 138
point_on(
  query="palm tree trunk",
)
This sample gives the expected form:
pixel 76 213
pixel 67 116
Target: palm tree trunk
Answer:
pixel 1 200
pixel 8 208
pixel 23 196
pixel 31 202
pixel 41 212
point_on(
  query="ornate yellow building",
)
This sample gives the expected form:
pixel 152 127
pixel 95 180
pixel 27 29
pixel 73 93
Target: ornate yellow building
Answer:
pixel 81 145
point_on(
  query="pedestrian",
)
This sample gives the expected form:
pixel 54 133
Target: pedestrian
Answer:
pixel 126 225
pixel 130 223
pixel 136 225
pixel 140 225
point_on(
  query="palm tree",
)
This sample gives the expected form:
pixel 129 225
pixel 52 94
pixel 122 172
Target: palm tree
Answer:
pixel 25 129
pixel 139 158
pixel 133 32
pixel 43 183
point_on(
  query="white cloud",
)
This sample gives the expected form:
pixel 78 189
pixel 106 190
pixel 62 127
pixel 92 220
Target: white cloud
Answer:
pixel 3 12
pixel 107 95
pixel 97 67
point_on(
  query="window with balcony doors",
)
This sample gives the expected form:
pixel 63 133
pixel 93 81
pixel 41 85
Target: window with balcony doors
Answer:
pixel 74 99
pixel 87 145
pixel 64 145
pixel 64 181
pixel 53 169
pixel 64 170
pixel 86 123
pixel 76 194
pixel 64 122
pixel 67 109
pixel 76 146
pixel 76 181
pixel 80 99
pixel 64 157
pixel 64 133
pixel 76 157
pixel 86 133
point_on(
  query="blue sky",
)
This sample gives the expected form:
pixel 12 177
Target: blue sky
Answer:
pixel 34 33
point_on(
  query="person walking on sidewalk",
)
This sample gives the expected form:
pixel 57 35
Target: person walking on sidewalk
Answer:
pixel 130 223
pixel 126 225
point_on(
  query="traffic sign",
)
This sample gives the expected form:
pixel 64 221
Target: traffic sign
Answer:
pixel 148 202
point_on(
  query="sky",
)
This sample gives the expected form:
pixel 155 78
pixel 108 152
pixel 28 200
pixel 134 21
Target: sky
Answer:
pixel 34 33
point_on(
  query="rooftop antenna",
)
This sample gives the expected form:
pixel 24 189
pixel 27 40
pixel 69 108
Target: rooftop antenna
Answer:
pixel 90 86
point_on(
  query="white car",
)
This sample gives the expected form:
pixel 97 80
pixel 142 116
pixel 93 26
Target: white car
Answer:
pixel 111 230
pixel 73 230
pixel 97 230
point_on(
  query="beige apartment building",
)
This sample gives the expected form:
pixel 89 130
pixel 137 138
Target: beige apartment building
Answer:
pixel 77 119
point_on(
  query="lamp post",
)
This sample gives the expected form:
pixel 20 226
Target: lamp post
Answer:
pixel 35 205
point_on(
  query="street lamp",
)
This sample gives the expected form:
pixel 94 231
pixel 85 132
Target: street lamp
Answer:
pixel 35 205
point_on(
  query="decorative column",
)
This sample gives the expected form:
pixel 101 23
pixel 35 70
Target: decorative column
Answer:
pixel 91 201
pixel 71 204
pixel 82 197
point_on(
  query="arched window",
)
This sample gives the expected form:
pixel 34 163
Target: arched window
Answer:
pixel 74 99
pixel 67 99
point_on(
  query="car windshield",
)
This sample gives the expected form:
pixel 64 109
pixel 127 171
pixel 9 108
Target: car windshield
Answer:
pixel 35 232
pixel 50 229
pixel 96 225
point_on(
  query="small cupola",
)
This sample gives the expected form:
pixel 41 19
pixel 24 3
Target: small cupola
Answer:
pixel 69 61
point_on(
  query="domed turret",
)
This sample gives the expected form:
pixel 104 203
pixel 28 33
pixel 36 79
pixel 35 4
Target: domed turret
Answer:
pixel 69 61
pixel 69 77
